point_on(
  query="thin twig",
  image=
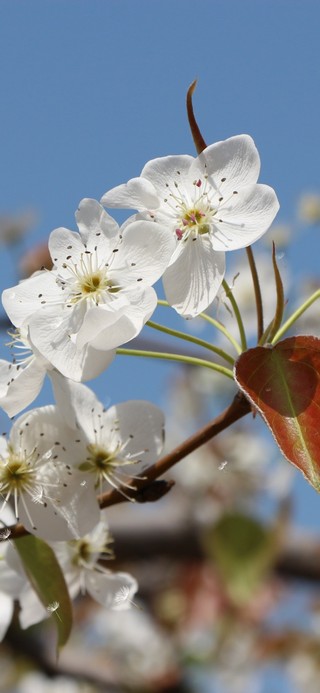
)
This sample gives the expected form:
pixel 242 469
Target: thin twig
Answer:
pixel 238 408
pixel 199 142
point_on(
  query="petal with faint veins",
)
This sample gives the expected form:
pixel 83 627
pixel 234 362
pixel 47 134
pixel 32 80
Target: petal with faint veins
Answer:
pixel 145 254
pixel 112 590
pixel 94 224
pixel 166 171
pixel 246 218
pixel 137 193
pixel 230 164
pixel 130 322
pixel 29 296
pixel 19 386
pixel 140 425
pixel 193 279
pixel 54 336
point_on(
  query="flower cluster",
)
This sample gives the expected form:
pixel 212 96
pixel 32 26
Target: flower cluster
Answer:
pixel 68 323
pixel 52 465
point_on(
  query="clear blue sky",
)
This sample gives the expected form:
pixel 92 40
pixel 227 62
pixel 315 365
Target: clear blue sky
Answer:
pixel 92 89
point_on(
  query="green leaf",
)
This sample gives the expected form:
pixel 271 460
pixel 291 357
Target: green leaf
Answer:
pixel 283 383
pixel 46 578
pixel 242 550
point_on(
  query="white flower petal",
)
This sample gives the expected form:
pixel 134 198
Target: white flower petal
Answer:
pixel 130 323
pixel 28 297
pixel 137 193
pixel 100 318
pixel 51 334
pixel 70 252
pixel 145 253
pixel 63 244
pixel 166 169
pixel 19 386
pixel 137 423
pixel 61 384
pixel 193 279
pixel 94 224
pixel 112 590
pixel 95 362
pixel 79 403
pixel 31 609
pixel 6 611
pixel 40 420
pixel 246 218
pixel 73 516
pixel 229 164
pixel 8 371
pixel 12 577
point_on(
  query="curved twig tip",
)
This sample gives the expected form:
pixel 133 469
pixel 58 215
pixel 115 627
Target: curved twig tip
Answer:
pixel 195 131
pixel 192 88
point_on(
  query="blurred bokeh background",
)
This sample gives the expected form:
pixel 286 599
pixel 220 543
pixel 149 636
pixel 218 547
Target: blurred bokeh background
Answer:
pixel 229 561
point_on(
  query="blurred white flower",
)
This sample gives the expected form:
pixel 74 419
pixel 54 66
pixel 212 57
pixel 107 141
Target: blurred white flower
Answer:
pixel 304 671
pixel 309 208
pixel 14 226
pixel 35 682
pixel 139 649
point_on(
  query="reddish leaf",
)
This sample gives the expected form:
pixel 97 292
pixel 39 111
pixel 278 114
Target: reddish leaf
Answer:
pixel 283 383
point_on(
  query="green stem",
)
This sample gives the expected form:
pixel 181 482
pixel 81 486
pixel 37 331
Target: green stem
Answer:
pixel 193 340
pixel 191 360
pixel 257 292
pixel 237 314
pixel 294 317
pixel 277 320
pixel 214 323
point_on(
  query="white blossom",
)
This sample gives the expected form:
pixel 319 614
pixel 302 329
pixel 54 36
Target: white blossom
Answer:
pixel 83 572
pixel 211 204
pixel 99 292
pixel 109 443
pixel 51 499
